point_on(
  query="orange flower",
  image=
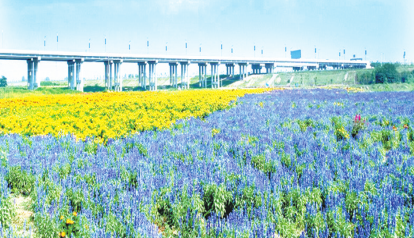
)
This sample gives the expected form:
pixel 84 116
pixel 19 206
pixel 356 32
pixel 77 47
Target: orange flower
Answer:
pixel 394 128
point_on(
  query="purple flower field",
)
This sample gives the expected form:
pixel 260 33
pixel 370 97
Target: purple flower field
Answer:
pixel 292 163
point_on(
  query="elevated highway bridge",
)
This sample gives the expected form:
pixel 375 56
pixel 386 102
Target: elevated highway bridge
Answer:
pixel 112 65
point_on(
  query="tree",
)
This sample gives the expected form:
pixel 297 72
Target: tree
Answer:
pixel 3 81
pixel 387 74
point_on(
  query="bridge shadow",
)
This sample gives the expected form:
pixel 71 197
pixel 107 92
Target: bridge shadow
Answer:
pixel 93 89
pixel 225 81
pixel 194 84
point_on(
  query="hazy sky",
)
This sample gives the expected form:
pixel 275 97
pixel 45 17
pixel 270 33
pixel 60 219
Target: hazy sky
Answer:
pixel 384 28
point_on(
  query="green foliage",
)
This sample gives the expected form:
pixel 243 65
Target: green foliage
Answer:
pixel 304 124
pixel 3 82
pixel 387 74
pixel 71 225
pixel 20 181
pixel 7 212
pixel 51 83
pixel 217 199
pixel 365 77
pixel 339 125
pixel 260 162
pixel 45 226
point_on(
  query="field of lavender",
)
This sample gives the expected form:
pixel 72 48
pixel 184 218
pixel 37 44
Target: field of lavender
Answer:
pixel 291 163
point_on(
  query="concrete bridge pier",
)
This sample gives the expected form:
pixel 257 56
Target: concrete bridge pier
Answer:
pixel 215 77
pixel 173 74
pixel 269 68
pixel 230 70
pixel 107 71
pixel 71 74
pixel 142 74
pixel 111 75
pixel 117 75
pixel 202 72
pixel 79 78
pixel 185 81
pixel 243 70
pixel 152 73
pixel 32 73
pixel 257 68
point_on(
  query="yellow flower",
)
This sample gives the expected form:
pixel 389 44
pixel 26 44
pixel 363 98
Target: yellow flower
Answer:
pixel 62 234
pixel 61 217
pixel 69 222
pixel 75 214
pixel 111 115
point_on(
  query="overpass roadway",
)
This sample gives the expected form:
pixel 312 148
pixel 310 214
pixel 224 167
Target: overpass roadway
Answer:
pixel 113 62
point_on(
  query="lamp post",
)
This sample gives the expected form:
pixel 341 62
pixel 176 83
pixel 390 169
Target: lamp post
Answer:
pixel 44 43
pixel 147 46
pixel 166 47
pixel 221 45
pixel 105 43
pixel 200 49
pixel 365 54
pixel 89 45
pixel 129 47
pixel 185 47
pixel 232 51
pixel 254 50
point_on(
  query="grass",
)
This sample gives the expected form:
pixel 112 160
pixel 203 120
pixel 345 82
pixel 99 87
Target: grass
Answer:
pixel 405 87
pixel 320 78
pixel 18 92
pixel 304 79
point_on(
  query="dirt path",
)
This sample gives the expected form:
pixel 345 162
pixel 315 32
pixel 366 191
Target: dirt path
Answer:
pixel 22 220
pixel 291 80
pixel 270 82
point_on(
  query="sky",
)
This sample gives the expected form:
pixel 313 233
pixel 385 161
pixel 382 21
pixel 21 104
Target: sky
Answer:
pixel 383 27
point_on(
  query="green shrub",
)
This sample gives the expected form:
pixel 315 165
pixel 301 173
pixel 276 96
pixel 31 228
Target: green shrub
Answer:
pixel 387 74
pixel 20 181
pixel 3 82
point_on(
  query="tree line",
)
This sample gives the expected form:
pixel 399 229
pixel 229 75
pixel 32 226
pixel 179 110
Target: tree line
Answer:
pixel 385 73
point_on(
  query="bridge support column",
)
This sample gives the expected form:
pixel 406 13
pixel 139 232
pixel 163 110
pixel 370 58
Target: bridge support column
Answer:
pixel 243 70
pixel 71 74
pixel 256 68
pixel 107 71
pixel 142 74
pixel 32 73
pixel 269 68
pixel 174 74
pixel 111 75
pixel 152 72
pixel 215 77
pixel 78 77
pixel 185 81
pixel 117 75
pixel 202 72
pixel 230 70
